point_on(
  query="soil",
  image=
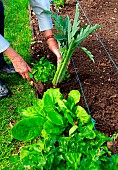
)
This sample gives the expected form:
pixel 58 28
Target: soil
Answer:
pixel 100 79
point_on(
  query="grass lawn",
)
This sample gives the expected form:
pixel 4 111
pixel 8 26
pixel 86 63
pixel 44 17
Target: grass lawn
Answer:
pixel 18 33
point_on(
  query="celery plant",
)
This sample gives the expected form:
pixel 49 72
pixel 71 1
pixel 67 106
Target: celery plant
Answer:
pixel 69 36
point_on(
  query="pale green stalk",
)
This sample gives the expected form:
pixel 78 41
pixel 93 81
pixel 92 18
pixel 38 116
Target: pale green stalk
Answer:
pixel 59 75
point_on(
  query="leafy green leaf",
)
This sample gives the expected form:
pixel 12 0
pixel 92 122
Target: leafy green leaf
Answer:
pixel 30 74
pixel 84 33
pixel 29 112
pixel 43 70
pixel 73 129
pixel 50 127
pixel 82 114
pixel 55 117
pixel 54 96
pixel 52 114
pixel 76 23
pixel 89 134
pixel 24 153
pixel 64 109
pixel 88 53
pixel 73 98
pixel 14 159
pixel 49 102
pixel 28 128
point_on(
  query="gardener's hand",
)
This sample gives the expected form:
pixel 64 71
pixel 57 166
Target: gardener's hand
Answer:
pixel 18 62
pixel 21 67
pixel 53 46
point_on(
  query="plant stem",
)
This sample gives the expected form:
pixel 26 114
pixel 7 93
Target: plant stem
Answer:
pixel 60 73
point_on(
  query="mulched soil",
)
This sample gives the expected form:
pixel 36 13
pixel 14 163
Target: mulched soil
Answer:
pixel 100 79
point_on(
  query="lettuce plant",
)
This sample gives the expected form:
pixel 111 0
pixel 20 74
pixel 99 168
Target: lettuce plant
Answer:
pixel 69 36
pixel 61 135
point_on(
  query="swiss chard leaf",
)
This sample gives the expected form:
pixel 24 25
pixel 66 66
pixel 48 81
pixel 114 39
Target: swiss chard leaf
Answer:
pixel 53 94
pixel 28 128
pixel 87 133
pixel 73 98
pixel 55 117
pixel 82 114
pixel 62 107
pixel 73 129
pixel 52 112
pixel 51 128
pixel 31 111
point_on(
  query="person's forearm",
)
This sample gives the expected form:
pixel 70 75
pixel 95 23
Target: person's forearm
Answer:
pixel 48 33
pixel 11 53
pixel 52 44
pixel 18 62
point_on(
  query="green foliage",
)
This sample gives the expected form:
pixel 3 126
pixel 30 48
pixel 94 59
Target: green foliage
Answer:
pixel 69 36
pixel 43 70
pixel 66 136
pixel 58 3
pixel 28 128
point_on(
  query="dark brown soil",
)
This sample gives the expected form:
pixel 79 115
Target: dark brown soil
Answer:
pixel 100 79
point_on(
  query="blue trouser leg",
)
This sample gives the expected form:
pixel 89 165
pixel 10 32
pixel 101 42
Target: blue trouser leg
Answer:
pixel 1 24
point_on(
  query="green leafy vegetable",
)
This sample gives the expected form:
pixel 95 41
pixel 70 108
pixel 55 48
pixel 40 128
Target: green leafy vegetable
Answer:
pixel 73 129
pixel 82 114
pixel 43 71
pixel 28 128
pixel 58 3
pixel 66 136
pixel 69 36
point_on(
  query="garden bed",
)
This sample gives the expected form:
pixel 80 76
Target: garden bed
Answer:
pixel 100 79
